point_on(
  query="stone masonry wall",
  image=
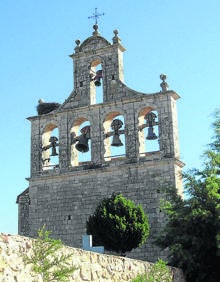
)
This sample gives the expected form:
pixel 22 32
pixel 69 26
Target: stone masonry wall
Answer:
pixel 62 194
pixel 64 203
pixel 90 266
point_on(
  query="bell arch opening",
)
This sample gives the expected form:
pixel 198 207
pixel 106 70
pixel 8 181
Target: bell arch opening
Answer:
pixel 50 147
pixel 80 142
pixel 96 82
pixel 114 136
pixel 148 134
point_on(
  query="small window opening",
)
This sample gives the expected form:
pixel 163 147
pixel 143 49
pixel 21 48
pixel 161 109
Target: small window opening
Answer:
pixel 148 132
pixel 114 141
pixel 50 147
pixel 80 143
pixel 96 83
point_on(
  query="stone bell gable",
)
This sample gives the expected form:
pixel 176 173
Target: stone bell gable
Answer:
pixel 104 138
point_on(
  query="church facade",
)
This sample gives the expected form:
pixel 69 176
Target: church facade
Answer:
pixel 105 138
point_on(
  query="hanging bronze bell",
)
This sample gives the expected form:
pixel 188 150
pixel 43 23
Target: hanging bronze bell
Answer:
pixel 82 145
pixel 97 82
pixel 54 152
pixel 151 135
pixel 116 141
pixel 53 143
pixel 97 78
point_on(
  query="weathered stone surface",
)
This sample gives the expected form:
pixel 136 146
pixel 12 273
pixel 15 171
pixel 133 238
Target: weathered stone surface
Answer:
pixel 65 193
pixel 90 266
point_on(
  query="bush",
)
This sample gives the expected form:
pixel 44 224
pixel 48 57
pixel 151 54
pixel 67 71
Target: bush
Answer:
pixel 118 224
pixel 45 259
pixel 159 272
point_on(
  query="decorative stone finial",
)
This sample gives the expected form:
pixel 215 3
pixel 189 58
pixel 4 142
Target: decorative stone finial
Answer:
pixel 116 39
pixel 164 85
pixel 95 32
pixel 77 45
pixel 77 42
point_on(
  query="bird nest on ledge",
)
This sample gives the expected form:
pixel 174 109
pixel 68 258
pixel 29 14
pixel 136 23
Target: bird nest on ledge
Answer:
pixel 45 108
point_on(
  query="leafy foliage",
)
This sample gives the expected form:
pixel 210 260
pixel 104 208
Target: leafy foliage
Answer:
pixel 158 272
pixel 193 228
pixel 46 259
pixel 118 224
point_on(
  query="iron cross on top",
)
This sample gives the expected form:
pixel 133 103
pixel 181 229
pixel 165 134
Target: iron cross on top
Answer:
pixel 95 16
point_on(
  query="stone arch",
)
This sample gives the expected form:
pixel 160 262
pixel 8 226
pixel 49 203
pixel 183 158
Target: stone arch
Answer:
pixel 148 133
pixel 114 152
pixel 50 146
pixel 76 136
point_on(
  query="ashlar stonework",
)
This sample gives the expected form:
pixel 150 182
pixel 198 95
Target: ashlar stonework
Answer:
pixel 90 266
pixel 105 138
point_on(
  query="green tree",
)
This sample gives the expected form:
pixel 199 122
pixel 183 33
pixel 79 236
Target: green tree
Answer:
pixel 192 230
pixel 48 260
pixel 159 272
pixel 118 224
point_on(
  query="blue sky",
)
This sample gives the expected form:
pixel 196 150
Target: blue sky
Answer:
pixel 179 38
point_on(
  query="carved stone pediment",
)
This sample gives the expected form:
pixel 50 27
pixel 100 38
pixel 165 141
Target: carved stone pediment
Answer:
pixel 93 43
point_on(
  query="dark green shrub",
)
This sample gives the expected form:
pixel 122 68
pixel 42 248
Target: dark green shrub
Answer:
pixel 118 224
